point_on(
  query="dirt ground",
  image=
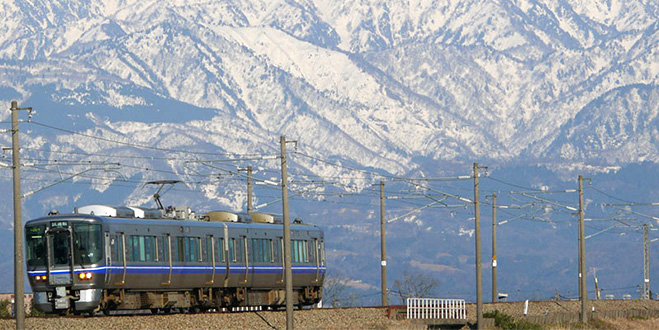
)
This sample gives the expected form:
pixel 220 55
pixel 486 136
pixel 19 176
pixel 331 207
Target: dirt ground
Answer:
pixel 348 318
pixel 562 306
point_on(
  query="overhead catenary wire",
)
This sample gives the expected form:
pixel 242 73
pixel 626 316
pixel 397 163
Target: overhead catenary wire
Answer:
pixel 135 145
pixel 193 158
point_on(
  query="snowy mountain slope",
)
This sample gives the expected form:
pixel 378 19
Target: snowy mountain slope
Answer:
pixel 409 88
pixel 524 58
pixel 602 133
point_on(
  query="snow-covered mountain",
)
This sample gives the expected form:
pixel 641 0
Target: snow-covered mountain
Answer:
pixel 391 80
pixel 391 87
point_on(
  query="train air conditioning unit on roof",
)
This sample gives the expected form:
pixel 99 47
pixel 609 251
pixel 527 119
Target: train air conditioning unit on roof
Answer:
pixel 105 211
pixel 223 216
pixel 263 218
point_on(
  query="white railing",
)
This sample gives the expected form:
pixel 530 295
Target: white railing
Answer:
pixel 428 308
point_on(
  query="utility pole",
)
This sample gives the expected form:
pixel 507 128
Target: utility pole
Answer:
pixel 19 304
pixel 479 284
pixel 646 262
pixel 494 248
pixel 288 272
pixel 583 293
pixel 597 287
pixel 383 247
pixel 250 208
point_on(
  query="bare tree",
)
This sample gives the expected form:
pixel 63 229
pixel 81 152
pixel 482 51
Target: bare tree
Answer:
pixel 335 294
pixel 416 285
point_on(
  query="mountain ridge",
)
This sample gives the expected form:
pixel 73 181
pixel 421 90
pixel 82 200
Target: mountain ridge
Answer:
pixel 371 90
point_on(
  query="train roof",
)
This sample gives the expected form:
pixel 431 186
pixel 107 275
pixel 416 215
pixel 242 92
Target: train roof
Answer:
pixel 121 216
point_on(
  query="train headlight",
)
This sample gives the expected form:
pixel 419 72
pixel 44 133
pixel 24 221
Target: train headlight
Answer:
pixel 85 276
pixel 40 278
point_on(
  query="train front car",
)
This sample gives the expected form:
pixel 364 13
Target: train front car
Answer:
pixel 65 264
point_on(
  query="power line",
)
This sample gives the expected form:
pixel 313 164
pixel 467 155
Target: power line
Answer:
pixel 135 145
pixel 608 195
pixel 509 184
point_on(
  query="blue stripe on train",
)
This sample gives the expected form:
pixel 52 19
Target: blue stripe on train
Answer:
pixel 153 269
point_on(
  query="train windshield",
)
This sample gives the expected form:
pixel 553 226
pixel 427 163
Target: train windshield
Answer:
pixel 87 243
pixel 36 245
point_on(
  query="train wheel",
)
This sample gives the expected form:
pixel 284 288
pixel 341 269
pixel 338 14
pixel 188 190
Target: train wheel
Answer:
pixel 155 310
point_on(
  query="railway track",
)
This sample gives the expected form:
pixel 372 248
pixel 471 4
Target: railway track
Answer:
pixel 339 318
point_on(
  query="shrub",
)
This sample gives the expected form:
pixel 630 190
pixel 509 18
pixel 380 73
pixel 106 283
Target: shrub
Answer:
pixel 505 321
pixel 34 312
pixel 5 308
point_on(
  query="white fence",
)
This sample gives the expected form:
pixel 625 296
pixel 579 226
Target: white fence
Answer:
pixel 428 308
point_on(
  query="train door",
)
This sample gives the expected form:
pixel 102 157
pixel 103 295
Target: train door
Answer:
pixel 167 255
pixel 316 257
pixel 108 257
pixel 120 248
pixel 60 267
pixel 226 255
pixel 282 259
pixel 245 259
pixel 209 246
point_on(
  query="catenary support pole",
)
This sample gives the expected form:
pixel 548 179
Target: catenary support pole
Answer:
pixel 250 208
pixel 646 261
pixel 288 278
pixel 583 293
pixel 479 281
pixel 383 247
pixel 19 305
pixel 494 248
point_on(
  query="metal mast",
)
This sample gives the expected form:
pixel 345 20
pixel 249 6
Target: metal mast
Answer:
pixel 383 247
pixel 494 248
pixel 288 278
pixel 583 293
pixel 19 291
pixel 479 281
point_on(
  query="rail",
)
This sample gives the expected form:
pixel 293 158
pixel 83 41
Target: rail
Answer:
pixel 429 308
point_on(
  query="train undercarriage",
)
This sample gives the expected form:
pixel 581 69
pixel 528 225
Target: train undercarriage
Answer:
pixel 204 299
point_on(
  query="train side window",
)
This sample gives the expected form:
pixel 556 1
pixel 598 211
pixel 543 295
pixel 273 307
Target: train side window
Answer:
pixel 232 249
pixel 223 252
pixel 163 248
pixel 261 250
pixel 219 250
pixel 243 247
pixel 299 251
pixel 141 248
pixel 149 248
pixel 173 248
pixel 206 248
pixel 279 250
pixel 313 251
pixel 180 249
pixel 188 249
pixel 157 249
pixel 132 247
pixel 118 248
pixel 198 255
pixel 322 253
pixel 254 247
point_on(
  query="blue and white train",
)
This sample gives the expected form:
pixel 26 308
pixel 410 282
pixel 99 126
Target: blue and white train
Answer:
pixel 103 258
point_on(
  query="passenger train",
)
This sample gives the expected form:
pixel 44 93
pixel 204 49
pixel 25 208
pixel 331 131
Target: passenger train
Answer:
pixel 103 258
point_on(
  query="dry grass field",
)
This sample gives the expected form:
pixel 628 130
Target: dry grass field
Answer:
pixel 349 318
